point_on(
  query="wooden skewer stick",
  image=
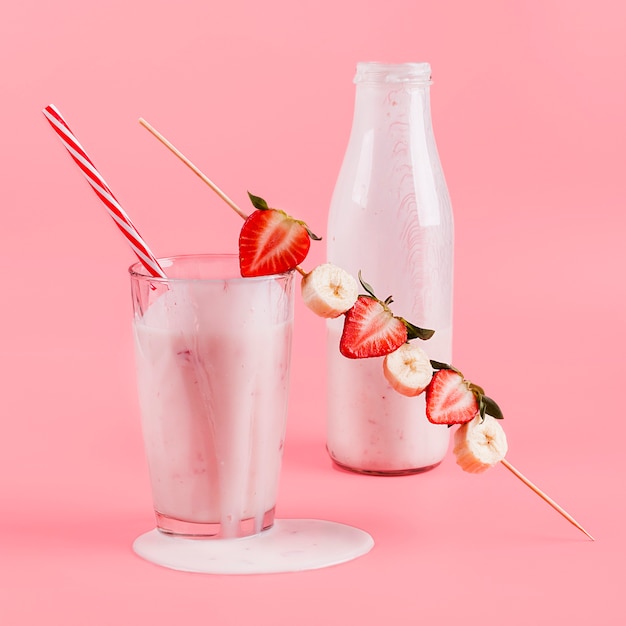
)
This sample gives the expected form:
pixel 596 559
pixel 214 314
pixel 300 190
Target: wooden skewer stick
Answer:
pixel 192 167
pixel 200 174
pixel 543 495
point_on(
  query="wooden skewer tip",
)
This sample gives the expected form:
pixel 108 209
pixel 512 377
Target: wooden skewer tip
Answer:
pixel 544 496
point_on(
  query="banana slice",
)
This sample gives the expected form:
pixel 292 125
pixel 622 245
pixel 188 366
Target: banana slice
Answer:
pixel 329 290
pixel 408 369
pixel 480 445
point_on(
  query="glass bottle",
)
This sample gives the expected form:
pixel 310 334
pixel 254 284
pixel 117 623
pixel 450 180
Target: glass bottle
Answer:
pixel 390 218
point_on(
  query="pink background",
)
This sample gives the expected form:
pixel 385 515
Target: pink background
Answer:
pixel 528 107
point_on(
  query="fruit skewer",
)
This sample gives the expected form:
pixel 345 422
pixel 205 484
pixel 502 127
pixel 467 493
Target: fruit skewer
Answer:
pixel 496 453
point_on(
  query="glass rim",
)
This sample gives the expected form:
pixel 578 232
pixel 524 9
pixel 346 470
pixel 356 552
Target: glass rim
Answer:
pixel 380 72
pixel 137 270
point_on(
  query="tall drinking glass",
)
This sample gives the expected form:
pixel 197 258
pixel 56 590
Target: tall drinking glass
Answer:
pixel 212 355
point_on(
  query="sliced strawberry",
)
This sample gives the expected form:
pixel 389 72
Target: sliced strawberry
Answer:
pixel 271 242
pixel 370 329
pixel 450 399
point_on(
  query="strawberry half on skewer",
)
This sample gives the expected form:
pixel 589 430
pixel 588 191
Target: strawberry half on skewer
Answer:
pixel 371 329
pixel 272 242
pixel 450 399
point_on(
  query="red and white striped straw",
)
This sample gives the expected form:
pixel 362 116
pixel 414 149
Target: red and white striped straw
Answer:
pixel 77 152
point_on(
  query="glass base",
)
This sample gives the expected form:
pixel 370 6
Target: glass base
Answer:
pixel 291 545
pixel 383 472
pixel 238 528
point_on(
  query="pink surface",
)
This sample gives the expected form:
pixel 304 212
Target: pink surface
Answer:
pixel 528 108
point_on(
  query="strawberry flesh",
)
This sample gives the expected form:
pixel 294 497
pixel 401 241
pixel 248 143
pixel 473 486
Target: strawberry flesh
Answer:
pixel 370 330
pixel 271 242
pixel 449 400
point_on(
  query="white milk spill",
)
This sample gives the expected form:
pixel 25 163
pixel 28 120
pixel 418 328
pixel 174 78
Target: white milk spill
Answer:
pixel 291 545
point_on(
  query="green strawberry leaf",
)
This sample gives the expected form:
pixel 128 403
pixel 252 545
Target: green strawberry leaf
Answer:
pixel 258 202
pixel 491 408
pixel 438 365
pixel 415 332
pixel 367 287
pixel 312 235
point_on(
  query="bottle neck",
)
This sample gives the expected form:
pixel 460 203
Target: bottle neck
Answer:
pixel 392 97
pixel 392 139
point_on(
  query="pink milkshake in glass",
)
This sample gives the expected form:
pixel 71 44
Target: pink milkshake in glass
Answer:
pixel 212 354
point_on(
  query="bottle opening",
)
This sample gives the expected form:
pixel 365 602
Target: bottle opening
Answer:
pixel 374 72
